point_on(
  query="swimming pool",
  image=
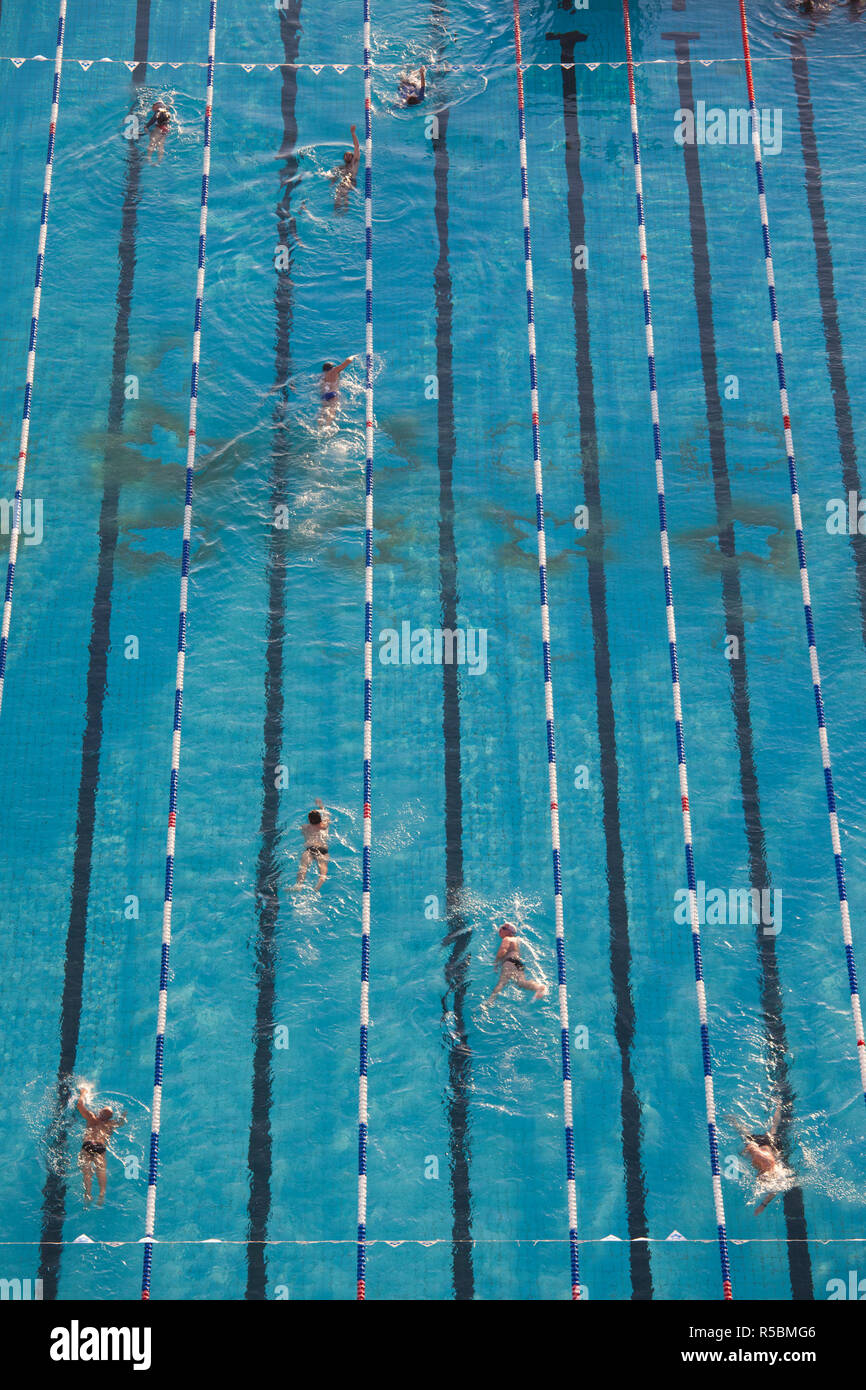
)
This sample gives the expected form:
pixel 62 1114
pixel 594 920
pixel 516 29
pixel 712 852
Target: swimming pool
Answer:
pixel 258 1147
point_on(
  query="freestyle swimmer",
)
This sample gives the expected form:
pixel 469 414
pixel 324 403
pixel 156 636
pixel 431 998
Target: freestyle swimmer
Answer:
pixel 512 970
pixel 346 174
pixel 763 1152
pixel 97 1137
pixel 315 834
pixel 158 126
pixel 330 390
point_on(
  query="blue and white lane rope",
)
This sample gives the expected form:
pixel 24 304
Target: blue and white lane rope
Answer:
pixel 804 573
pixel 24 437
pixel 548 681
pixel 368 670
pixel 150 1214
pixel 675 676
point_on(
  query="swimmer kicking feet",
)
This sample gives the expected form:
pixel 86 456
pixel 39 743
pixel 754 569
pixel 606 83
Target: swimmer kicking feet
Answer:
pixel 329 390
pixel 512 970
pixel 158 126
pixel 346 174
pixel 765 1156
pixel 97 1137
pixel 315 834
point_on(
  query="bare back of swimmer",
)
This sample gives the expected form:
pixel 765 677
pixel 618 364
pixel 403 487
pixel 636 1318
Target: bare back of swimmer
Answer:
pixel 512 970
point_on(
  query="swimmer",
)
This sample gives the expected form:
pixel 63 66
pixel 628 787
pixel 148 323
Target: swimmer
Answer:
pixel 315 834
pixel 512 970
pixel 412 87
pixel 765 1156
pixel 329 390
pixel 158 126
pixel 97 1136
pixel 346 174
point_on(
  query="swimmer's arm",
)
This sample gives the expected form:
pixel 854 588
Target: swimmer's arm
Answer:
pixel 342 367
pixel 149 123
pixel 82 1108
pixel 774 1125
pixel 766 1202
pixel 423 72
pixel 356 144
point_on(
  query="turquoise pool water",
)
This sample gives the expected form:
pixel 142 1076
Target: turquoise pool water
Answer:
pixel 466 1190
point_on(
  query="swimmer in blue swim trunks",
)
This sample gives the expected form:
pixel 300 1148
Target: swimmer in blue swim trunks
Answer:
pixel 329 390
pixel 412 87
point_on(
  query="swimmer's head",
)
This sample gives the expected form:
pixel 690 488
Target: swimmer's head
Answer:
pixel 315 818
pixel 106 1112
pixel 348 157
pixel 327 366
pixel 507 930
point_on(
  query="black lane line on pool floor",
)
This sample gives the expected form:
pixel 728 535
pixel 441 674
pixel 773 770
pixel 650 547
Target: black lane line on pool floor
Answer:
pixel 459 933
pixel 829 305
pixel 260 1153
pixel 799 1260
pixel 620 943
pixel 54 1191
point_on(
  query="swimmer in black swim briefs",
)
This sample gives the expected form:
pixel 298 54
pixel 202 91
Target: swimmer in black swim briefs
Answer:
pixel 100 1127
pixel 315 851
pixel 512 970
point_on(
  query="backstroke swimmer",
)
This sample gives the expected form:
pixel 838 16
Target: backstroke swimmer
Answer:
pixel 97 1137
pixel 330 390
pixel 158 126
pixel 315 834
pixel 765 1156
pixel 346 174
pixel 412 87
pixel 512 970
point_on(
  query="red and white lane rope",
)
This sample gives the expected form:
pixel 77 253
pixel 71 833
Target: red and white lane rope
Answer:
pixel 675 677
pixel 150 1212
pixel 804 573
pixel 24 436
pixel 568 1110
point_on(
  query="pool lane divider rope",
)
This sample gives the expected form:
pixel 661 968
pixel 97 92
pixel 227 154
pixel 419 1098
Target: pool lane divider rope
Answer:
pixel 804 573
pixel 571 1188
pixel 700 987
pixel 24 435
pixel 363 1116
pixel 150 1213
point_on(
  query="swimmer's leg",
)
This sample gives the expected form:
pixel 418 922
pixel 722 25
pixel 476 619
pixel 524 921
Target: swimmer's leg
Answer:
pixel 303 866
pixel 102 1176
pixel 86 1166
pixel 498 988
pixel 539 989
pixel 323 871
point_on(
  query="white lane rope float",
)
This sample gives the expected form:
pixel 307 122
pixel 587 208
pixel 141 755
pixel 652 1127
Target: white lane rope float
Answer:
pixel 700 988
pixel 836 842
pixel 363 1115
pixel 150 1212
pixel 24 435
pixel 571 1187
